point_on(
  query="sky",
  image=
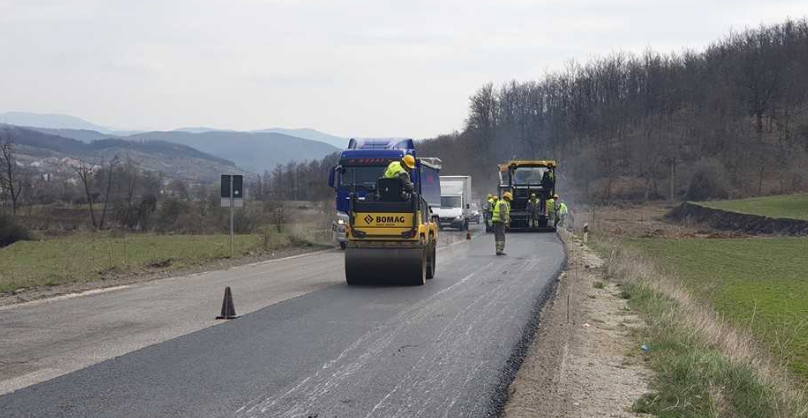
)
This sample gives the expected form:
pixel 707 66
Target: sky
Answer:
pixel 402 68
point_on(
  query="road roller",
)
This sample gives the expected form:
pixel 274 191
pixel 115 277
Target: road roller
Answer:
pixel 390 239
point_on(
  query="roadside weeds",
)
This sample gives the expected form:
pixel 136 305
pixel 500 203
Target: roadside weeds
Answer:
pixel 704 366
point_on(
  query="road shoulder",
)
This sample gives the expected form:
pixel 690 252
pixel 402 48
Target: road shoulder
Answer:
pixel 583 361
pixel 117 280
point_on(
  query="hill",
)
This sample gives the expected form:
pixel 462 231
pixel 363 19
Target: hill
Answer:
pixel 308 133
pixel 49 121
pixel 50 154
pixel 253 151
pixel 84 135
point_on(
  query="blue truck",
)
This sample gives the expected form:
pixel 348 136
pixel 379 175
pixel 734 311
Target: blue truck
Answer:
pixel 363 162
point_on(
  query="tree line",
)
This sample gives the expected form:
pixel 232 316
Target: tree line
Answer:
pixel 730 120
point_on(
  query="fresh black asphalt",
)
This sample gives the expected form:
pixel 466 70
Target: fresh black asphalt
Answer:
pixel 444 349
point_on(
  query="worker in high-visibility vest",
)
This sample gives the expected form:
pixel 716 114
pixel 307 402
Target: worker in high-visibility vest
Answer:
pixel 488 210
pixel 561 213
pixel 401 170
pixel 550 210
pixel 533 210
pixel 501 218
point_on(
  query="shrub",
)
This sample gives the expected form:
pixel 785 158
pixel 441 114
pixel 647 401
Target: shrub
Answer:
pixel 169 211
pixel 11 231
pixel 709 181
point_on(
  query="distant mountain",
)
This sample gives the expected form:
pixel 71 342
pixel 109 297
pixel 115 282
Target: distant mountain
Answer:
pixel 253 151
pixel 84 135
pixel 46 152
pixel 312 134
pixel 49 121
pixel 201 129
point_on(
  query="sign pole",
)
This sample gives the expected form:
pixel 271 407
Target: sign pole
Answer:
pixel 231 216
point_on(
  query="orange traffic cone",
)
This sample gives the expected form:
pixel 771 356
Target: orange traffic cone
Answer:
pixel 468 234
pixel 228 308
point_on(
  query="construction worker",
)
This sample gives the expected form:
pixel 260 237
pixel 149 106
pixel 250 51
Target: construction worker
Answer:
pixel 501 218
pixel 487 209
pixel 548 181
pixel 533 210
pixel 550 208
pixel 401 170
pixel 561 213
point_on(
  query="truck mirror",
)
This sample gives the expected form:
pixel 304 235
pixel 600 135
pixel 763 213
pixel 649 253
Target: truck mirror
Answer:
pixel 332 177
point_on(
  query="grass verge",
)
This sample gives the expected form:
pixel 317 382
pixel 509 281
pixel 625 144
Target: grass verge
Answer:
pixel 95 256
pixel 784 206
pixel 758 284
pixel 705 366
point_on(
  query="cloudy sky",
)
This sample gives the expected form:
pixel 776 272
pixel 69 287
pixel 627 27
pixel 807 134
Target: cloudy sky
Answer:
pixel 348 67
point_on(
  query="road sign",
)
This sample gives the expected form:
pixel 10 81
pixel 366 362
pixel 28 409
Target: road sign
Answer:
pixel 238 190
pixel 232 197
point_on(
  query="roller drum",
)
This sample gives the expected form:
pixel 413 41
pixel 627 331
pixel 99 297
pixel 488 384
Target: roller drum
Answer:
pixel 385 265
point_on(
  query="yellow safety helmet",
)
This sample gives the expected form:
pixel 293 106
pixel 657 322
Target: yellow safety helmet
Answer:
pixel 495 197
pixel 533 195
pixel 489 196
pixel 555 196
pixel 507 196
pixel 409 161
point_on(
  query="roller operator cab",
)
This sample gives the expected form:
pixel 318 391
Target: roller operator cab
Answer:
pixel 523 178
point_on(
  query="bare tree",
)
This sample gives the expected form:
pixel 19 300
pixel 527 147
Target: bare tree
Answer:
pixel 85 173
pixel 10 173
pixel 110 171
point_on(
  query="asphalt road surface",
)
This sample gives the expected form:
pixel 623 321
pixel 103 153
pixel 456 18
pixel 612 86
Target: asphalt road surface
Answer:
pixel 444 349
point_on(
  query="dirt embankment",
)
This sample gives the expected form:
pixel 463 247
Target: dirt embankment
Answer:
pixel 583 361
pixel 739 222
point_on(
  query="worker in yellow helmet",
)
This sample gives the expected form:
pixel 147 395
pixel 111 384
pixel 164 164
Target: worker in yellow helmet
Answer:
pixel 401 170
pixel 550 210
pixel 501 218
pixel 560 212
pixel 533 210
pixel 487 209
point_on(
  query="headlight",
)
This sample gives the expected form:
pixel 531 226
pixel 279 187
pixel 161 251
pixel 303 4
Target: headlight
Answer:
pixel 458 217
pixel 340 222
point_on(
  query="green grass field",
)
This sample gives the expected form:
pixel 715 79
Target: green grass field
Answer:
pixel 785 206
pixel 761 283
pixel 90 257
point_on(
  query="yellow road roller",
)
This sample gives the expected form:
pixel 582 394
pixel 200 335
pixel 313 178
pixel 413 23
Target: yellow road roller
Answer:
pixel 391 237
